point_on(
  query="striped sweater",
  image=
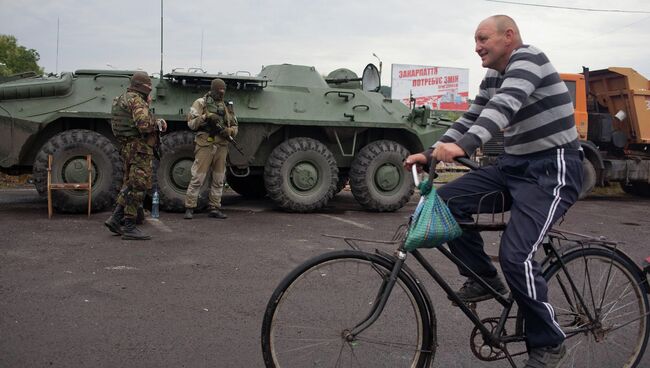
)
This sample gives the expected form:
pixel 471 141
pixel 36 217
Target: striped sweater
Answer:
pixel 529 103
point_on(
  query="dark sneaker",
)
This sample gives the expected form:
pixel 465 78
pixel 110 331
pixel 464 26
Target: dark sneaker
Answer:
pixel 216 213
pixel 546 357
pixel 188 214
pixel 472 291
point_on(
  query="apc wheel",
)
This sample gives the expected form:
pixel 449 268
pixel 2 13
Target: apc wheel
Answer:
pixel 69 150
pixel 175 172
pixel 250 186
pixel 377 179
pixel 301 175
pixel 588 178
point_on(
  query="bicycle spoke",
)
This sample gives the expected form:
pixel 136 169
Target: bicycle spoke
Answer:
pixel 338 360
pixel 612 329
pixel 398 345
pixel 309 346
pixel 609 272
pixel 354 355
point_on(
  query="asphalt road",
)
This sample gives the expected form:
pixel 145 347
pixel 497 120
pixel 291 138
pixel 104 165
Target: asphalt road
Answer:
pixel 72 295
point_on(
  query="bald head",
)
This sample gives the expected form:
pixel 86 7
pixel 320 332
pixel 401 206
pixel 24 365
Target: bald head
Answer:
pixel 504 23
pixel 496 38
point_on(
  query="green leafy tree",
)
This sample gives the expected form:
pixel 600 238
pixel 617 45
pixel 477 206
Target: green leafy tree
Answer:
pixel 17 59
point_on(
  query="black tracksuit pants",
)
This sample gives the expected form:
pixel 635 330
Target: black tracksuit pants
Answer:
pixel 537 189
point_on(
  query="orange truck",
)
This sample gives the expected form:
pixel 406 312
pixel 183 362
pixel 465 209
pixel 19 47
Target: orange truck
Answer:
pixel 612 114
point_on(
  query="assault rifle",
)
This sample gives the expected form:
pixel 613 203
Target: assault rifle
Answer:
pixel 215 127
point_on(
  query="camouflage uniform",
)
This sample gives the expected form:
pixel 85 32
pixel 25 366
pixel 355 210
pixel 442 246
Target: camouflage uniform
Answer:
pixel 137 151
pixel 211 147
pixel 134 126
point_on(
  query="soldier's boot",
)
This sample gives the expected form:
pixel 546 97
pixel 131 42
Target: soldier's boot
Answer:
pixel 130 232
pixel 139 218
pixel 189 214
pixel 115 221
pixel 216 213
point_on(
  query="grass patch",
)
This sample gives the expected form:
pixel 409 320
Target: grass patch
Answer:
pixel 15 181
pixel 447 176
pixel 611 190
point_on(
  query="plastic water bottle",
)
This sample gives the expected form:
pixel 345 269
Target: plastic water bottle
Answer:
pixel 155 204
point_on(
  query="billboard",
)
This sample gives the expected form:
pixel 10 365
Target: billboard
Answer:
pixel 439 88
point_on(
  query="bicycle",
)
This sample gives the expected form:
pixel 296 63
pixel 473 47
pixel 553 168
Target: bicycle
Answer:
pixel 356 308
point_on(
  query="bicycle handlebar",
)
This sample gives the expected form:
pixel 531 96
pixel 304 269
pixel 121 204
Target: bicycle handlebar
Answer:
pixel 461 160
pixel 414 171
pixel 468 162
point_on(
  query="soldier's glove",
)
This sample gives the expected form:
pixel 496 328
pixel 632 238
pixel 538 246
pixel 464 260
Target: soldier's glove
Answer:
pixel 161 124
pixel 227 132
pixel 211 118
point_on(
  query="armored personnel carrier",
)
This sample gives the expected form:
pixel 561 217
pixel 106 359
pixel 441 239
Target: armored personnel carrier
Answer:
pixel 303 136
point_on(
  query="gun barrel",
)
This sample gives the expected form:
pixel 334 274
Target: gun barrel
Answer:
pixel 236 145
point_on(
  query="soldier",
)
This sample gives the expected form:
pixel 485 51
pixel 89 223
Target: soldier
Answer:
pixel 135 128
pixel 215 123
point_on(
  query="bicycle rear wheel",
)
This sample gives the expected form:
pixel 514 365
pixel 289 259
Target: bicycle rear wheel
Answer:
pixel 613 294
pixel 313 308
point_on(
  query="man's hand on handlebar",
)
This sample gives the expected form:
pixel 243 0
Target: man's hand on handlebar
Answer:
pixel 447 152
pixel 417 159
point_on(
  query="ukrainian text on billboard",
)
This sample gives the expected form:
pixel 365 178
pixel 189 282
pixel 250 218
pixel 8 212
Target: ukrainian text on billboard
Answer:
pixel 440 88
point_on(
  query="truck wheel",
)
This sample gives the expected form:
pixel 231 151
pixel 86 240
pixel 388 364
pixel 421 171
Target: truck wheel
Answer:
pixel 637 188
pixel 69 150
pixel 301 175
pixel 175 172
pixel 588 178
pixel 377 179
pixel 250 186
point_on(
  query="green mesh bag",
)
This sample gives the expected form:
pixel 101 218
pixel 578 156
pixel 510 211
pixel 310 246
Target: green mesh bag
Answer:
pixel 432 224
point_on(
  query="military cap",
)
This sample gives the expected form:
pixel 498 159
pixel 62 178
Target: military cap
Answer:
pixel 141 82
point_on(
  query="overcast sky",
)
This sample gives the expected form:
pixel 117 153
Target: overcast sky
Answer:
pixel 243 35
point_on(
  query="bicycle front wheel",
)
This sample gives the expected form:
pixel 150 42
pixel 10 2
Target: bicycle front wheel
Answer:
pixel 310 314
pixel 611 288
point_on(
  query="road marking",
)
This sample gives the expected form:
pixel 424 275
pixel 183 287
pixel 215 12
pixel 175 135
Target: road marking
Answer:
pixel 159 224
pixel 353 223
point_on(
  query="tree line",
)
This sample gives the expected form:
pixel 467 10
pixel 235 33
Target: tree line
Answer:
pixel 16 59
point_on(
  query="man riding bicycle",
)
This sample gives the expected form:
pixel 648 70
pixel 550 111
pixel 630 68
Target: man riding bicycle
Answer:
pixel 540 174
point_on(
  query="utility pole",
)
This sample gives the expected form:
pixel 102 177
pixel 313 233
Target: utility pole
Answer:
pixel 56 69
pixel 161 39
pixel 201 66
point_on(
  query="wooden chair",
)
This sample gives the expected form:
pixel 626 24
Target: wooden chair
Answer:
pixel 68 186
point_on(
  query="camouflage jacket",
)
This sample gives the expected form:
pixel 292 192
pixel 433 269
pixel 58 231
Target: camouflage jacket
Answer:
pixel 131 110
